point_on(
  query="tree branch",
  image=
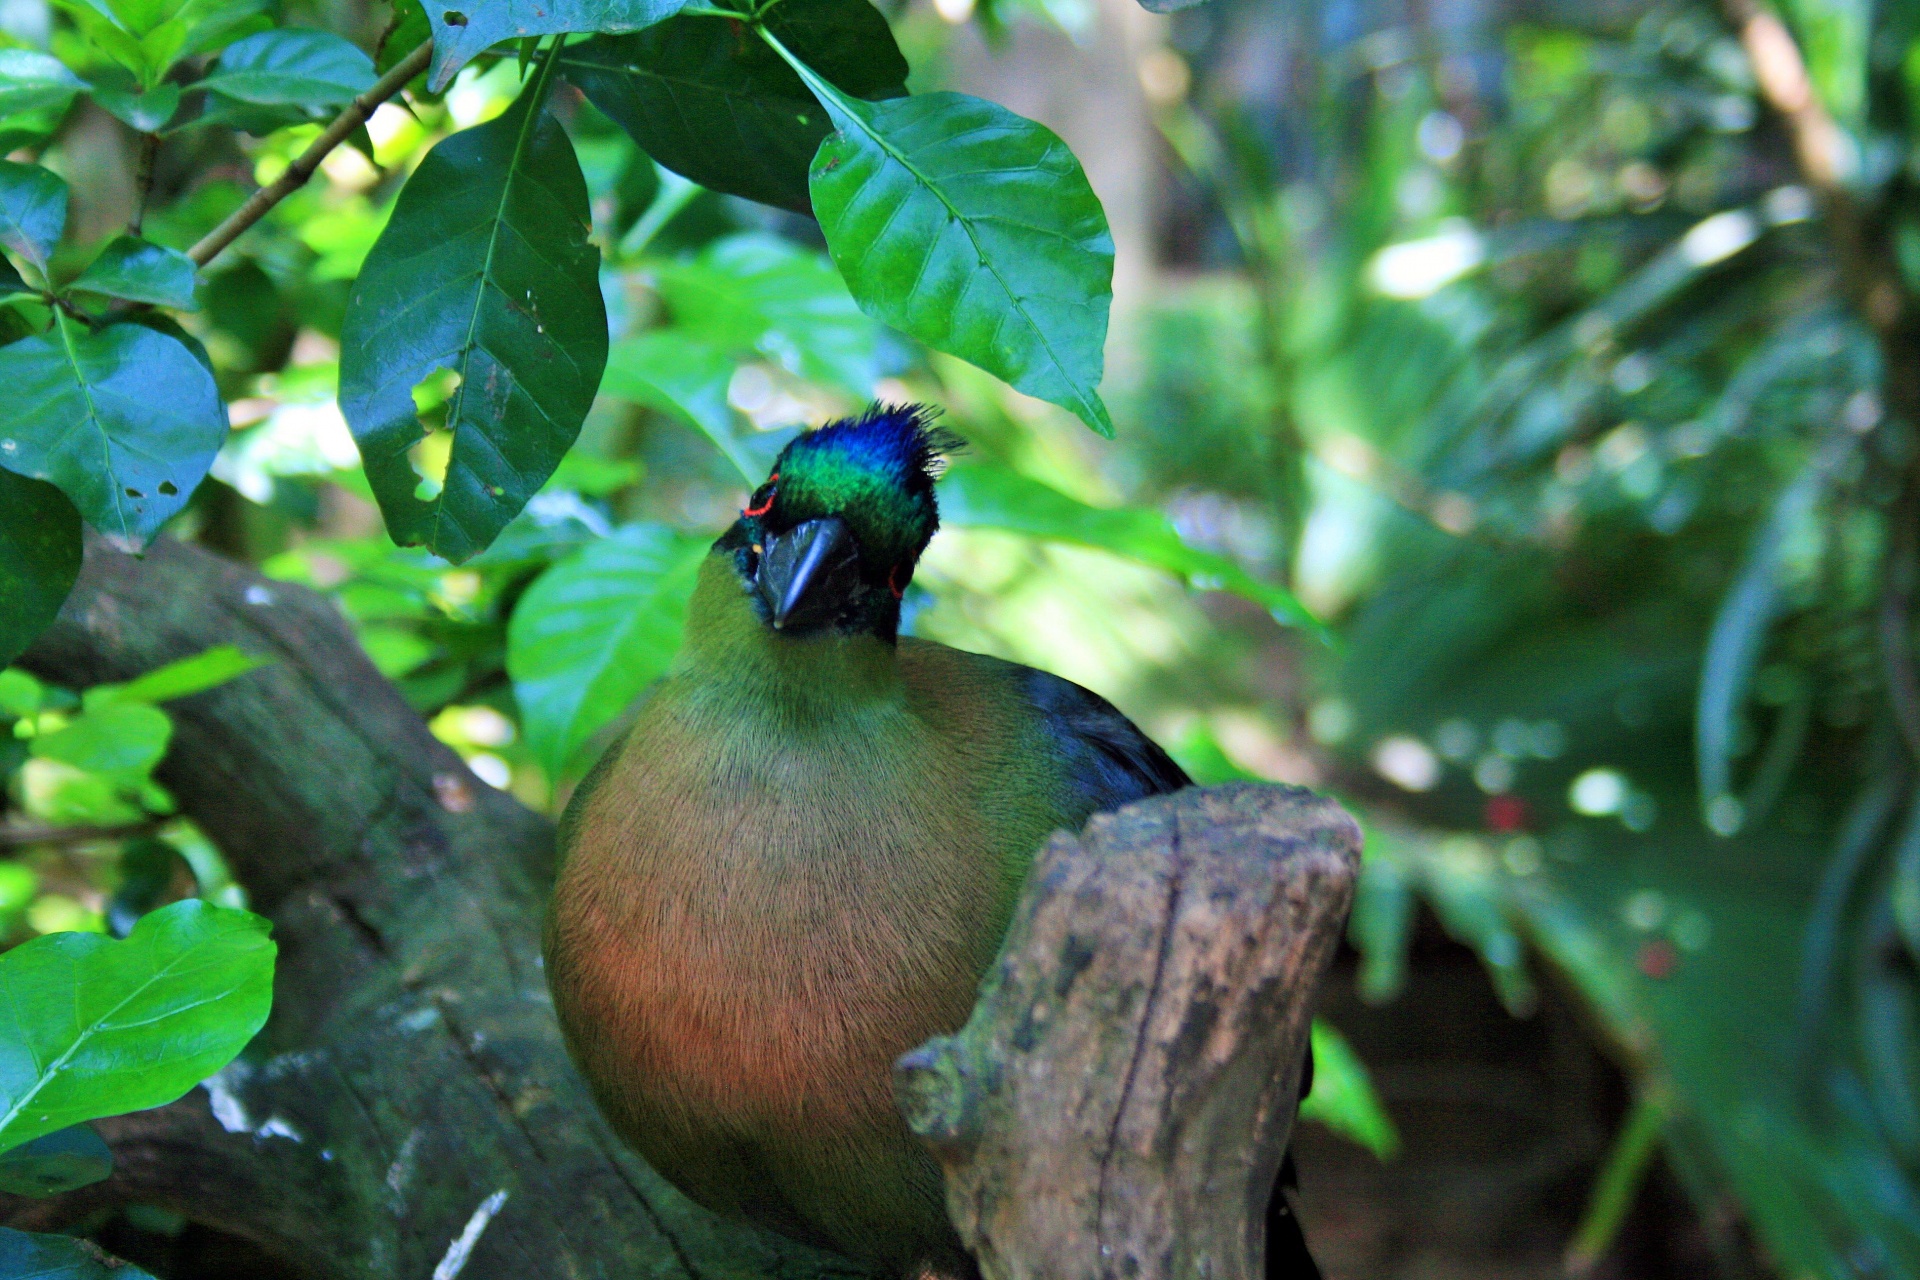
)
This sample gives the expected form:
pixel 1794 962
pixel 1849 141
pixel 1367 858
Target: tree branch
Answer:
pixel 302 169
pixel 1119 1103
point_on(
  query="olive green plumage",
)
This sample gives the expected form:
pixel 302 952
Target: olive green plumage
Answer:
pixel 801 858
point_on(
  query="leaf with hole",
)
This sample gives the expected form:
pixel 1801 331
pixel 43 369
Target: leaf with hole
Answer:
pixel 95 1028
pixel 981 496
pixel 30 80
pixel 974 230
pixel 140 271
pixel 55 1162
pixel 485 271
pixel 33 211
pixel 31 1255
pixel 713 104
pixel 595 630
pixel 125 420
pixel 292 67
pixel 461 33
pixel 39 559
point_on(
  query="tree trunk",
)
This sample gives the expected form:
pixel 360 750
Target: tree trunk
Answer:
pixel 410 1111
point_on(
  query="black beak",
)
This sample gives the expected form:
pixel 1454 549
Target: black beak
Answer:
pixel 808 572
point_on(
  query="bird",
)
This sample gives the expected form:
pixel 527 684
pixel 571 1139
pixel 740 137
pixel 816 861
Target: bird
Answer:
pixel 802 856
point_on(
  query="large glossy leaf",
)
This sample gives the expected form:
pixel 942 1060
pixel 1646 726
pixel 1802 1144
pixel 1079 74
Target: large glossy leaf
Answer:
pixel 30 1255
pixel 293 67
pixel 30 80
pixel 718 107
pixel 91 1027
pixel 465 28
pixel 33 211
pixel 123 419
pixel 39 559
pixel 55 1162
pixel 141 271
pixel 595 630
pixel 485 270
pixel 974 230
pixel 980 496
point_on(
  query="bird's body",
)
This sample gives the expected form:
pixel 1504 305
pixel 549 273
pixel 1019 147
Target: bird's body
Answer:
pixel 800 860
pixel 794 869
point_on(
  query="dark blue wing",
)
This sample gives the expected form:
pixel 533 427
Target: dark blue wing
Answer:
pixel 1109 761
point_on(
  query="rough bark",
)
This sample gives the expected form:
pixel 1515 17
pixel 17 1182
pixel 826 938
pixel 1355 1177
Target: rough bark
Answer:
pixel 1119 1103
pixel 410 1111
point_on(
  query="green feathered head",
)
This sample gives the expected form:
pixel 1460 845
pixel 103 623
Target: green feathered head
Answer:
pixel 831 539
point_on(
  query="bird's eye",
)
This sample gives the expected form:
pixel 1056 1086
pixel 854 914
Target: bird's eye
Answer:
pixel 763 497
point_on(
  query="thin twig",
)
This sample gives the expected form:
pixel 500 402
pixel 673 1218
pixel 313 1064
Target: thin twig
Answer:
pixel 302 169
pixel 143 181
pixel 15 837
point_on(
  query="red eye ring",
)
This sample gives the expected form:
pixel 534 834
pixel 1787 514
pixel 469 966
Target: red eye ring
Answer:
pixel 773 488
pixel 898 592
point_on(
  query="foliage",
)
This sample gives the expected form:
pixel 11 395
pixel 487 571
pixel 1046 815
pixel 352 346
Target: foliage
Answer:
pixel 1603 388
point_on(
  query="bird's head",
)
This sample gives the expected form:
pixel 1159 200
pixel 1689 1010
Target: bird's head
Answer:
pixel 830 540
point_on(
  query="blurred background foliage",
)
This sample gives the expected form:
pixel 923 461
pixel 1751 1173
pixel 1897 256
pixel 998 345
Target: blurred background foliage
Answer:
pixel 1561 356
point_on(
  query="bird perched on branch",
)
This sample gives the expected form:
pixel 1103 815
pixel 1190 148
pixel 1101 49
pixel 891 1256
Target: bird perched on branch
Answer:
pixel 803 856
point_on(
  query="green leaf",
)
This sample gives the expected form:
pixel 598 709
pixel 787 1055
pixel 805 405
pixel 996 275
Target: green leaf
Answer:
pixel 727 112
pixel 461 33
pixel 594 630
pixel 1343 1098
pixel 140 271
pixel 95 1028
pixel 756 293
pixel 144 112
pixel 485 270
pixel 124 419
pixel 1741 627
pixel 118 741
pixel 688 379
pixel 55 1162
pixel 974 230
pixel 30 1255
pixel 39 559
pixel 30 80
pixel 11 285
pixel 981 496
pixel 33 211
pixel 202 671
pixel 293 67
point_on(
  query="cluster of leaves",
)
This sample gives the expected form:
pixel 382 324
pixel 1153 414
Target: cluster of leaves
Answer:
pixel 96 1027
pixel 1609 410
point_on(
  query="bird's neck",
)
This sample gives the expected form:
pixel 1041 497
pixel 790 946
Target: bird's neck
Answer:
pixel 730 652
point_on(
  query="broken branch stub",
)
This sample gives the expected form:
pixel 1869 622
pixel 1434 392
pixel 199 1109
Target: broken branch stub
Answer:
pixel 1119 1102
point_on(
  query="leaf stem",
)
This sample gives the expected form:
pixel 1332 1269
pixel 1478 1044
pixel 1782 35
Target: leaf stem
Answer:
pixel 301 170
pixel 143 181
pixel 676 193
pixel 1613 1190
pixel 37 833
